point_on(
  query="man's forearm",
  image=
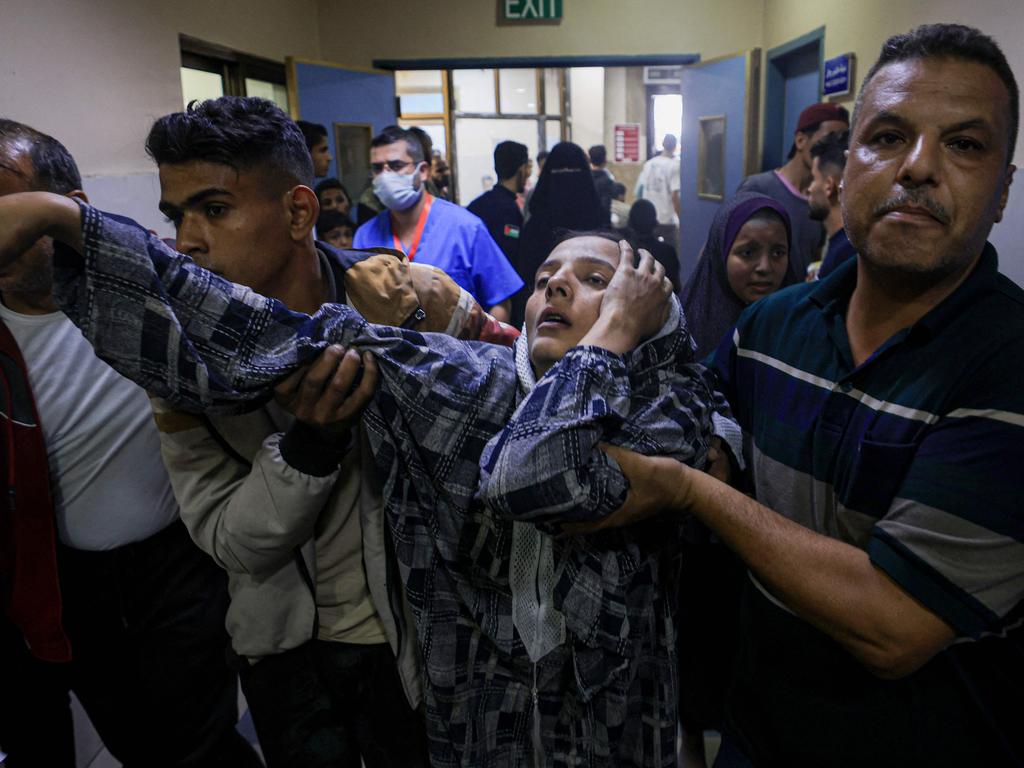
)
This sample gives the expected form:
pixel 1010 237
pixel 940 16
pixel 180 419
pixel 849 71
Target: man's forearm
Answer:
pixel 27 216
pixel 828 583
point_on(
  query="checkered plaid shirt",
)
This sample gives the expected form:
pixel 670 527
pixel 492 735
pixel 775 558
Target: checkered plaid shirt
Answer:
pixel 607 696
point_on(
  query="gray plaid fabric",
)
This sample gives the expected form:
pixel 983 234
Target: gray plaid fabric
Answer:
pixel 462 453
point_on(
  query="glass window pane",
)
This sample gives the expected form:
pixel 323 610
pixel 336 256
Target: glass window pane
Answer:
pixel 419 92
pixel 475 141
pixel 275 92
pixel 417 81
pixel 586 95
pixel 474 90
pixel 518 89
pixel 421 104
pixel 552 92
pixel 199 85
pixel 553 131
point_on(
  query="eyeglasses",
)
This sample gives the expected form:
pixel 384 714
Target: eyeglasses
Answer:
pixel 395 166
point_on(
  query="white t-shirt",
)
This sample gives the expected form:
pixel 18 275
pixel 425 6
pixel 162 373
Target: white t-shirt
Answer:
pixel 109 484
pixel 658 180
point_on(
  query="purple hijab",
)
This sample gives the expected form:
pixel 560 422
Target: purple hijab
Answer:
pixel 709 303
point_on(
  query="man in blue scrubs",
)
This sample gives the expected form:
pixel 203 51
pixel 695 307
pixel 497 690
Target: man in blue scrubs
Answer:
pixel 430 230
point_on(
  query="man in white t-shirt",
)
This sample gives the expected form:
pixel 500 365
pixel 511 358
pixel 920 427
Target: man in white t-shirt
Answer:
pixel 105 593
pixel 659 183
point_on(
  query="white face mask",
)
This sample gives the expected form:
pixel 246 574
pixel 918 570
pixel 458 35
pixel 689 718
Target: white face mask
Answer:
pixel 398 191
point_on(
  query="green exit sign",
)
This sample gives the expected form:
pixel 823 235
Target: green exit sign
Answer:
pixel 531 10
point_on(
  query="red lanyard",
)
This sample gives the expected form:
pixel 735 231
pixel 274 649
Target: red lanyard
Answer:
pixel 418 234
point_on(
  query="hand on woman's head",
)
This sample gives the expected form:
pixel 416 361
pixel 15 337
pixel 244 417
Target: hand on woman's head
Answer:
pixel 589 292
pixel 638 295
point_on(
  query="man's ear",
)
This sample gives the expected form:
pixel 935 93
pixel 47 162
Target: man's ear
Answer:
pixel 424 170
pixel 303 210
pixel 1006 192
pixel 77 194
pixel 833 184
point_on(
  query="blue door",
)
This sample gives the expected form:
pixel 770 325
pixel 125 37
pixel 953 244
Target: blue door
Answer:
pixel 333 97
pixel 792 83
pixel 720 102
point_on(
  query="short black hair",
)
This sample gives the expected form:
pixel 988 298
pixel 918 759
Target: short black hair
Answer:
pixel 598 154
pixel 509 157
pixel 831 149
pixel 331 183
pixel 542 156
pixel 329 220
pixel 242 132
pixel 313 133
pixel 54 168
pixel 949 41
pixel 811 129
pixel 618 190
pixel 393 134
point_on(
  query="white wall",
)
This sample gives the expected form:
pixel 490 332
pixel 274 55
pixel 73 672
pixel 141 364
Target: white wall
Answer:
pixel 862 27
pixel 625 101
pixel 353 32
pixel 96 74
pixel 586 100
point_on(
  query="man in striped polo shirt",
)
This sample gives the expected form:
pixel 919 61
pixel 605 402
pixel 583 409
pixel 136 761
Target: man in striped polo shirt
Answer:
pixel 882 624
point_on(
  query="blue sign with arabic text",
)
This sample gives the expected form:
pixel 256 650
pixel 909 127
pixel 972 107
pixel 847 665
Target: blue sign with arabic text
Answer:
pixel 839 75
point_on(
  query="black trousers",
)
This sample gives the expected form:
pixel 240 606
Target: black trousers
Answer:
pixel 330 705
pixel 146 623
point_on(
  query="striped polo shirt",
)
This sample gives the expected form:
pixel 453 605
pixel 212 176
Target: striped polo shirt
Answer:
pixel 917 457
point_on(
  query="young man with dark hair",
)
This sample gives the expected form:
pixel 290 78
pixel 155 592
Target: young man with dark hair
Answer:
pixel 318 146
pixel 433 231
pixel 106 593
pixel 498 208
pixel 788 184
pixel 603 179
pixel 327 662
pixel 885 414
pixel 827 164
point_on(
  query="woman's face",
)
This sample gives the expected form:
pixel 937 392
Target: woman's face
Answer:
pixel 758 258
pixel 566 298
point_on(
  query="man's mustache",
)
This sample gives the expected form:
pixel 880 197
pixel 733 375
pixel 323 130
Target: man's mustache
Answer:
pixel 913 198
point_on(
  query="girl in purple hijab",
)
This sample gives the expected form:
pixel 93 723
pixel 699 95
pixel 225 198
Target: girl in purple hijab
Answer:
pixel 745 258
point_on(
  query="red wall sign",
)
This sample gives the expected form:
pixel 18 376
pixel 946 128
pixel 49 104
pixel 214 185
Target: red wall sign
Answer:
pixel 627 143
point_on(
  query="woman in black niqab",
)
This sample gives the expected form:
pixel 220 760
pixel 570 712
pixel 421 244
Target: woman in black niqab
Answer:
pixel 564 199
